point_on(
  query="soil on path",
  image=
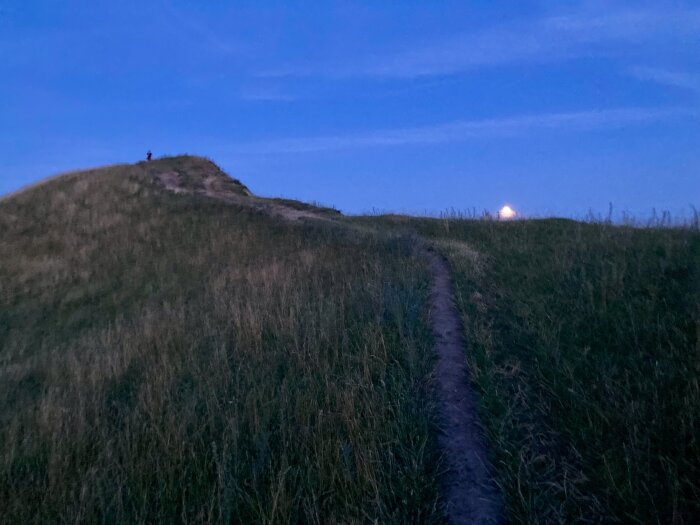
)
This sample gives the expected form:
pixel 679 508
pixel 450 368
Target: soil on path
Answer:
pixel 471 496
pixel 215 187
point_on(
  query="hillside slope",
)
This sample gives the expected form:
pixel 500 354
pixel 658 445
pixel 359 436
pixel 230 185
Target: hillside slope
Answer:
pixel 176 357
pixel 584 345
pixel 176 349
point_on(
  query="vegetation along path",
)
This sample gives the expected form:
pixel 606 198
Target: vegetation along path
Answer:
pixel 470 494
pixel 469 491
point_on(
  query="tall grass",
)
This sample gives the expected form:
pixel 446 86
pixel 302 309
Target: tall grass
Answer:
pixel 585 346
pixel 169 358
pixel 584 341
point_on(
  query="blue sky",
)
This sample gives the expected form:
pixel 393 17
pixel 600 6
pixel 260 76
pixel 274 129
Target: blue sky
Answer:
pixel 553 107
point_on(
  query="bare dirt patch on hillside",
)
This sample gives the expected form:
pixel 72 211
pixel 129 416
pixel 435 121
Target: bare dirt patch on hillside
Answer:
pixel 216 187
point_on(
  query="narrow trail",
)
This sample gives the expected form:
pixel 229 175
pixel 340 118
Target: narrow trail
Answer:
pixel 470 494
pixel 214 187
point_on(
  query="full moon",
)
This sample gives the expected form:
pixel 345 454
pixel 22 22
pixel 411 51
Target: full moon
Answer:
pixel 506 212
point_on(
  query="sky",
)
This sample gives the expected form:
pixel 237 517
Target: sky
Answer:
pixel 556 108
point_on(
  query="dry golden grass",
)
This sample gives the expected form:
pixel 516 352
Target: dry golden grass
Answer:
pixel 175 358
pixel 170 358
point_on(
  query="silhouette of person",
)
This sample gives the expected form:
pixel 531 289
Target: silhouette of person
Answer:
pixel 149 155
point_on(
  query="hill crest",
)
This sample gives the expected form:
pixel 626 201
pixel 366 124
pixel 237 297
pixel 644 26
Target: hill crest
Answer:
pixel 181 174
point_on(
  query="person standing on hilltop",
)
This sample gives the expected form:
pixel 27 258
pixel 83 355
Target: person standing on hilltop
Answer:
pixel 149 155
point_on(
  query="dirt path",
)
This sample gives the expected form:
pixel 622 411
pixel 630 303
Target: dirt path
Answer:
pixel 214 187
pixel 469 491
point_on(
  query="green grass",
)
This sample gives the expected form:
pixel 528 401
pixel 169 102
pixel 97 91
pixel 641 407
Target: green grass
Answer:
pixel 171 358
pixel 584 345
pixel 175 358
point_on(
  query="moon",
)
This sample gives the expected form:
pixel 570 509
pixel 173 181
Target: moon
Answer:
pixel 506 212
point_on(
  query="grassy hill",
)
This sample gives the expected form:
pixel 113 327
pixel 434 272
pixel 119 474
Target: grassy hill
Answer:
pixel 176 349
pixel 172 357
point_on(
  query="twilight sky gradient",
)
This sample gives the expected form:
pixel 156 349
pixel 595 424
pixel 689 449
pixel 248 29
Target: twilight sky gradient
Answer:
pixel 552 107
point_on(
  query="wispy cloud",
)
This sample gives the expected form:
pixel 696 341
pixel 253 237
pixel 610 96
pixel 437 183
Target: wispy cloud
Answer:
pixel 631 24
pixel 546 39
pixel 257 94
pixel 196 30
pixel 468 129
pixel 678 79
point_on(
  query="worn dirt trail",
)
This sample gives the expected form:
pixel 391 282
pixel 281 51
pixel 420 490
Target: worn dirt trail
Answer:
pixel 215 188
pixel 470 494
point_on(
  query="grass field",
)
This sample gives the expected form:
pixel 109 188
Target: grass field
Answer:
pixel 174 358
pixel 585 348
pixel 168 358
